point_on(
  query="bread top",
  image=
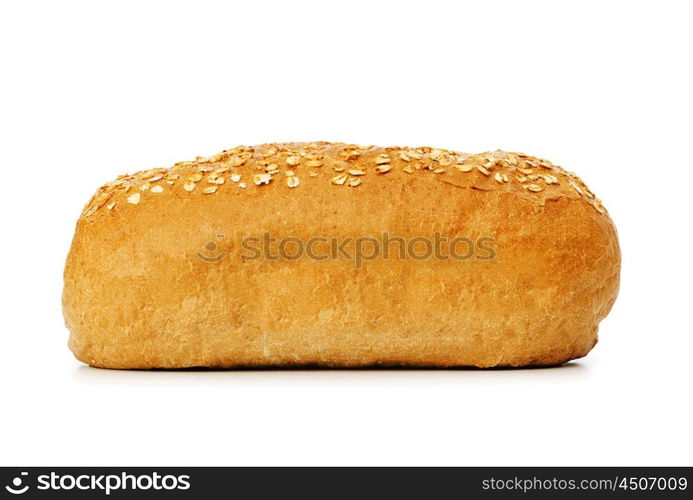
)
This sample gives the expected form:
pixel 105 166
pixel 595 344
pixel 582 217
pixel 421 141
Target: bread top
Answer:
pixel 252 171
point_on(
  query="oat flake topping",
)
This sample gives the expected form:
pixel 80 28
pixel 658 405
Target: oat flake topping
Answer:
pixel 354 165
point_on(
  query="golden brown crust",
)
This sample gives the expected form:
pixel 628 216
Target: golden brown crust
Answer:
pixel 136 296
pixel 342 165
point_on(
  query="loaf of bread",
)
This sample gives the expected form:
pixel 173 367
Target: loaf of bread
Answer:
pixel 337 255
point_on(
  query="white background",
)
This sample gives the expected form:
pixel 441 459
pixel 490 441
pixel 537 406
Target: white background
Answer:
pixel 90 90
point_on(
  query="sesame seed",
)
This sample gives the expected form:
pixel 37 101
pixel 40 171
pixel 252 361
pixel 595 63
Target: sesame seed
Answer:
pixel 483 170
pixel 189 186
pixel 357 172
pixel 533 187
pixel 237 161
pixel 134 198
pixel 382 169
pixel 210 190
pixel 260 179
pixel 354 182
pixel 576 188
pixel 510 160
pixel 292 181
pixel 157 189
pixel 235 177
pixel 339 180
pixel 350 155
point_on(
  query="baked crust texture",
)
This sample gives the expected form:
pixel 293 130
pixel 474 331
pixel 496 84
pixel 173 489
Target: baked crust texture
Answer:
pixel 144 288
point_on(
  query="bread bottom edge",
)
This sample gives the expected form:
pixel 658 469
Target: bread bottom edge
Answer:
pixel 541 358
pixel 318 366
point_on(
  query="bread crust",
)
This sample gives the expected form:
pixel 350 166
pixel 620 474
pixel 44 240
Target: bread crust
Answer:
pixel 138 295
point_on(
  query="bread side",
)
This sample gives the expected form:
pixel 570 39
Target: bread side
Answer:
pixel 138 295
